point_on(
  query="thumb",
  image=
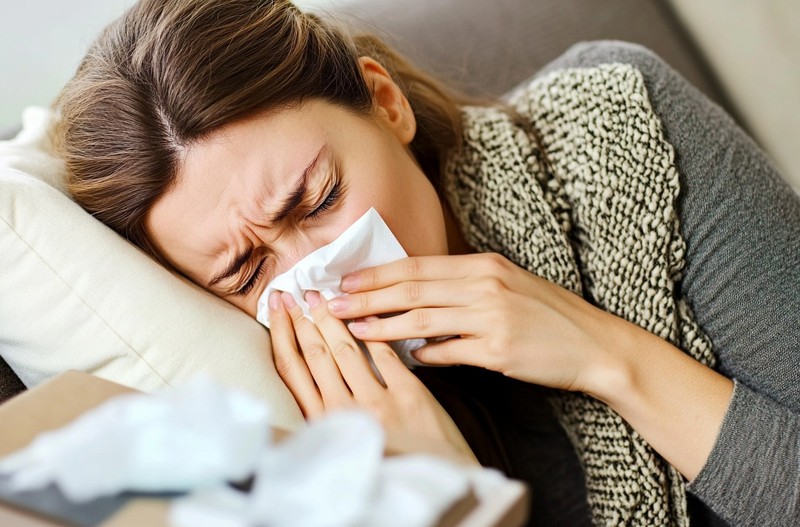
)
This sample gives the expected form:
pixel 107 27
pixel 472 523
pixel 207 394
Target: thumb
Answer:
pixel 450 352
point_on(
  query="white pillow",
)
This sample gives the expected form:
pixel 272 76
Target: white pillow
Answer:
pixel 75 295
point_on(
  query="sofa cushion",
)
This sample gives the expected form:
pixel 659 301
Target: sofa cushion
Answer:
pixel 75 295
pixel 754 49
pixel 487 48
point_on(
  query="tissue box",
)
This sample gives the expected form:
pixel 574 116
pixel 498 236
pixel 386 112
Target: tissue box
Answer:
pixel 62 399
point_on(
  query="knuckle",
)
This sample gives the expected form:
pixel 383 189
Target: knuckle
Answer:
pixel 494 263
pixel 413 291
pixel 283 366
pixel 375 329
pixel 422 319
pixel 497 259
pixel 492 286
pixel 319 315
pixel 344 349
pixel 314 352
pixel 444 352
pixel 363 303
pixel 369 278
pixel 383 353
pixel 297 316
pixel 413 267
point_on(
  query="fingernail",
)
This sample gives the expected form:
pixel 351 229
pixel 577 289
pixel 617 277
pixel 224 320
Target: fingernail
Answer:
pixel 275 300
pixel 357 327
pixel 338 304
pixel 312 298
pixel 370 318
pixel 350 282
pixel 288 300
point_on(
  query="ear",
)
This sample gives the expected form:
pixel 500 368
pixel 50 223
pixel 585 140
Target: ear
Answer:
pixel 391 104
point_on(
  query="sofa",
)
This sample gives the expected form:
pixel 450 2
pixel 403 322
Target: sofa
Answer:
pixel 486 48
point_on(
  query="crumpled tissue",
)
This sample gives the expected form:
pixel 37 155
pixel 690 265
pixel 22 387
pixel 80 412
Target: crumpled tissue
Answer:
pixel 366 243
pixel 199 437
pixel 333 474
pixel 182 438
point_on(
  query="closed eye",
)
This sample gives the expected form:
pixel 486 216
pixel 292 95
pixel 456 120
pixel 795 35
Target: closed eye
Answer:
pixel 329 201
pixel 335 194
pixel 251 282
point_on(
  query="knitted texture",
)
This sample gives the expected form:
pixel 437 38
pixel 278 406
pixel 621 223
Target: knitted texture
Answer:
pixel 591 207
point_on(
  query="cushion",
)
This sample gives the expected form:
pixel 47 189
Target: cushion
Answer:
pixel 487 48
pixel 75 295
pixel 754 49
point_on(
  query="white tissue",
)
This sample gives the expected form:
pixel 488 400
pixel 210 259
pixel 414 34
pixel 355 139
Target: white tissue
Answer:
pixel 366 243
pixel 198 436
pixel 333 465
pixel 182 438
pixel 219 506
pixel 333 474
pixel 415 491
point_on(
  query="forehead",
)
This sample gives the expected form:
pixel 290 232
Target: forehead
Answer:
pixel 251 161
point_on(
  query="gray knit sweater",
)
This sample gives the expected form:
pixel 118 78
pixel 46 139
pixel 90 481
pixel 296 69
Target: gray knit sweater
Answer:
pixel 593 210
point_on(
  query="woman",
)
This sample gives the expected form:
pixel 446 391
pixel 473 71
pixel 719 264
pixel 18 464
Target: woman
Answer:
pixel 228 139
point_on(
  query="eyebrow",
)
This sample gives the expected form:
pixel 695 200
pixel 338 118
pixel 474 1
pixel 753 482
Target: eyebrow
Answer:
pixel 289 204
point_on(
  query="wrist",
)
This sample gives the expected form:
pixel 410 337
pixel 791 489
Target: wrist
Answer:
pixel 676 403
pixel 612 374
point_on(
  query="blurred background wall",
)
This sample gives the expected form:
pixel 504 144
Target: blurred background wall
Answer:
pixel 752 46
pixel 42 41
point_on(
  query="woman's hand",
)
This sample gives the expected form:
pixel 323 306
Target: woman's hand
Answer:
pixel 324 368
pixel 514 322
pixel 507 319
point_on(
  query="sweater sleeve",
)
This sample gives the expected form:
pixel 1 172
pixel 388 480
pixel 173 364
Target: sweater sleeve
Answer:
pixel 741 223
pixel 752 476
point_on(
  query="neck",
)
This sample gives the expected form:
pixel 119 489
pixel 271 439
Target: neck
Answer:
pixel 456 244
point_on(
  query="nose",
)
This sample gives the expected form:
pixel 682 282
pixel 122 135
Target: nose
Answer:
pixel 296 245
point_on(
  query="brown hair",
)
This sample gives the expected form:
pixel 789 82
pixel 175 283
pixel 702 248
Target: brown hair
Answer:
pixel 169 72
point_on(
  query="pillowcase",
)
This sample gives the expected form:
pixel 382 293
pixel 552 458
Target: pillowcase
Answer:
pixel 75 295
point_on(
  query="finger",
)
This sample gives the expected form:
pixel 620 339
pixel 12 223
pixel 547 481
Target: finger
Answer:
pixel 417 323
pixel 406 296
pixel 395 374
pixel 351 361
pixel 317 356
pixel 450 352
pixel 289 364
pixel 412 268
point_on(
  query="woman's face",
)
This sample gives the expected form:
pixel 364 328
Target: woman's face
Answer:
pixel 260 194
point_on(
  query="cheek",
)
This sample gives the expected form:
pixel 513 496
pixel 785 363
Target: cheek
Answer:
pixel 414 214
